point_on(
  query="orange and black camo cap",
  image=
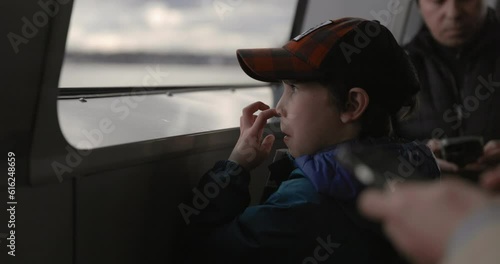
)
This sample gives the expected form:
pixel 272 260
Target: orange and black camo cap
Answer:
pixel 362 50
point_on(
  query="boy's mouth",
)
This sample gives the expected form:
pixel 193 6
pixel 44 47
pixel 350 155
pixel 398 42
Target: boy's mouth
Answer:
pixel 284 131
pixel 286 136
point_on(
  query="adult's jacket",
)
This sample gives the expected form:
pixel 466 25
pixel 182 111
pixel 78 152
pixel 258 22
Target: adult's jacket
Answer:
pixel 459 89
pixel 311 218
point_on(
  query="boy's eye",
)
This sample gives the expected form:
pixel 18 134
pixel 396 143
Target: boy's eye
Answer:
pixel 290 86
pixel 438 2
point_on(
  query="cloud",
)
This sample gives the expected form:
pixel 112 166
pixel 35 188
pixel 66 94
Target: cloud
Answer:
pixel 179 26
pixel 158 15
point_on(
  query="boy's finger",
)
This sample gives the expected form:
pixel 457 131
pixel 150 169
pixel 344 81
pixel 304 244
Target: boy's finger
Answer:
pixel 261 120
pixel 247 113
pixel 267 143
pixel 246 122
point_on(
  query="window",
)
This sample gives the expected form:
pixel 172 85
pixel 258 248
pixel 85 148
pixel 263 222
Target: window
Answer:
pixel 117 43
pixel 120 45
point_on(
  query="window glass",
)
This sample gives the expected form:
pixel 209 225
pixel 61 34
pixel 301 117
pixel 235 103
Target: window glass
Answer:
pixel 117 43
pixel 107 121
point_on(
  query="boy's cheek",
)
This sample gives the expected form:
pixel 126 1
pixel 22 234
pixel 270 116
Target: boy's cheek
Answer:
pixel 292 117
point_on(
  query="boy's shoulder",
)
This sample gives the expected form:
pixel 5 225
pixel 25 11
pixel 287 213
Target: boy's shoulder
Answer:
pixel 295 192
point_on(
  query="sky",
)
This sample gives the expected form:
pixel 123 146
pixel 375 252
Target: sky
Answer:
pixel 192 26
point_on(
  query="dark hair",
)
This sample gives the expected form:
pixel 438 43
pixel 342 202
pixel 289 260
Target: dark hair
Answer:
pixel 377 119
pixel 383 69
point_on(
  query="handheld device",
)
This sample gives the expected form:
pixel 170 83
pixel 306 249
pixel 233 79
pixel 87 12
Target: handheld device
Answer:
pixel 379 168
pixel 462 150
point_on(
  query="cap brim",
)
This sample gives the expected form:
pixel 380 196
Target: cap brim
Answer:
pixel 274 65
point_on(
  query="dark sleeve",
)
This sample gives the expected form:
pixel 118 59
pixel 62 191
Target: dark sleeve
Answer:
pixel 221 195
pixel 224 230
pixel 213 215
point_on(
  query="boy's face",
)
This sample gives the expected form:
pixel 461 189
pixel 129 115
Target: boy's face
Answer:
pixel 453 22
pixel 309 118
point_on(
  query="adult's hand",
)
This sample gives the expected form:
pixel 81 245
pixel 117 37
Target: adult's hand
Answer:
pixel 491 153
pixel 251 150
pixel 444 165
pixel 490 180
pixel 420 217
pixel 491 156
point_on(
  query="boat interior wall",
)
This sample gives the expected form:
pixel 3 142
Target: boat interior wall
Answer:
pixel 24 61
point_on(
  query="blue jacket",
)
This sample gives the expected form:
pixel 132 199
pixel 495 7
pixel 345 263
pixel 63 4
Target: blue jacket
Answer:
pixel 310 218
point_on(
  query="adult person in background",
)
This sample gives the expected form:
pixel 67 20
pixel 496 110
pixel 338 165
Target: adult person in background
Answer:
pixel 446 222
pixel 457 57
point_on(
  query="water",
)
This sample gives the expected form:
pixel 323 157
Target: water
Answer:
pixel 90 74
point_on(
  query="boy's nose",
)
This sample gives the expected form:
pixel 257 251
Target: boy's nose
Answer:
pixel 279 108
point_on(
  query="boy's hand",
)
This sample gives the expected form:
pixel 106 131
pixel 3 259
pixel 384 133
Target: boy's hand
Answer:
pixel 251 150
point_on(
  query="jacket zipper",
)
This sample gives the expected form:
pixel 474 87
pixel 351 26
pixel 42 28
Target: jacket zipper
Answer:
pixel 456 94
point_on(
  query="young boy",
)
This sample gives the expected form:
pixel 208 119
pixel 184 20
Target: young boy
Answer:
pixel 344 81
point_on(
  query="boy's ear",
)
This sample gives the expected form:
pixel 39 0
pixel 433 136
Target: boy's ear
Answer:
pixel 357 102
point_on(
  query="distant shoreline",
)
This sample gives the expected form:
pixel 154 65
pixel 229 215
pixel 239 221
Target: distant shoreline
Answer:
pixel 164 58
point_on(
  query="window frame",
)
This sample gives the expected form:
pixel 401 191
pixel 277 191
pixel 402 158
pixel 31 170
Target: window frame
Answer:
pixel 50 147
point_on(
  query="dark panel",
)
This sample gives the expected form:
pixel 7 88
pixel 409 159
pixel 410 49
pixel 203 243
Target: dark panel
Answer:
pixel 43 225
pixel 20 72
pixel 298 21
pixel 131 215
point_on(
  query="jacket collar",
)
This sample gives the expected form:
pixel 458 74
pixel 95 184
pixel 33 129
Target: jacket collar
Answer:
pixel 333 179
